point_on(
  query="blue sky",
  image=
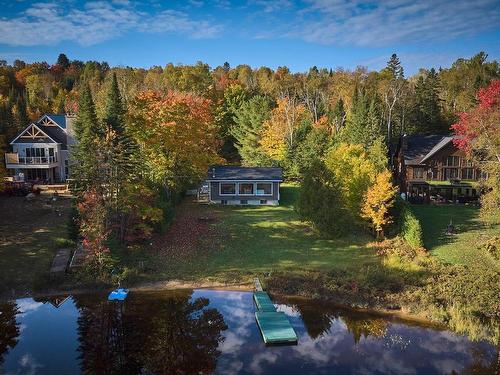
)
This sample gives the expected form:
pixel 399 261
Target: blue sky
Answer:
pixel 298 34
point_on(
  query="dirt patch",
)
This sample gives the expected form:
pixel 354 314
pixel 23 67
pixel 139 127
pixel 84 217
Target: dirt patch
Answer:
pixel 193 231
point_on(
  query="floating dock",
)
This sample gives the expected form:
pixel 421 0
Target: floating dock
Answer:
pixel 274 326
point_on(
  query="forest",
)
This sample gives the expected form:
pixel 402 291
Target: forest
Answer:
pixel 146 135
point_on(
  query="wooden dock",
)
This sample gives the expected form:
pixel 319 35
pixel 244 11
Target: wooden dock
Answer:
pixel 274 326
pixel 61 260
pixel 78 258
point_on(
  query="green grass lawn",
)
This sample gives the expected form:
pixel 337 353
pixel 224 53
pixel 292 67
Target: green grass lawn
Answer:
pixel 30 234
pixel 261 239
pixel 470 232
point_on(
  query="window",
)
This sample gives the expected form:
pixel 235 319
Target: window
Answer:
pixel 264 188
pixel 243 201
pixel 223 202
pixel 468 163
pixel 246 188
pixel 467 174
pixel 418 172
pixel 227 188
pixel 452 161
pixel 263 201
pixel 450 173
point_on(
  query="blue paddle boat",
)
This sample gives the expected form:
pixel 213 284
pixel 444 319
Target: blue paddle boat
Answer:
pixel 118 294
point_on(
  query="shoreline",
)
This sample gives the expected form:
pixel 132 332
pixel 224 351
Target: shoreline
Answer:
pixel 173 285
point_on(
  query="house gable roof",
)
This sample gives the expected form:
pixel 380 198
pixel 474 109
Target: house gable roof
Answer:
pixel 34 134
pixel 58 120
pixel 235 173
pixel 437 147
pixel 417 147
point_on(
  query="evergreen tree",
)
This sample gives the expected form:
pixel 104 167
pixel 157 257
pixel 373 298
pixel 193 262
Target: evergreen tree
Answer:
pixel 247 132
pixel 394 67
pixel 21 118
pixel 88 132
pixel 339 116
pixel 113 117
pixel 428 107
pixel 364 124
pixel 63 61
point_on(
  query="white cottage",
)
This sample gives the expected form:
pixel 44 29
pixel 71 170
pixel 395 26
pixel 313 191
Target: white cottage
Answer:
pixel 41 151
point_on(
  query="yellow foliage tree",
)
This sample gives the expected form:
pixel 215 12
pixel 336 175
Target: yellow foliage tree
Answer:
pixel 279 132
pixel 354 172
pixel 378 199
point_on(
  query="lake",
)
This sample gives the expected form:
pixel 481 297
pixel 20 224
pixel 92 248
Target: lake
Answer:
pixel 208 331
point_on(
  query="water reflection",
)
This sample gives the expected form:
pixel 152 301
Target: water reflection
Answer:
pixel 154 334
pixel 9 329
pixel 204 332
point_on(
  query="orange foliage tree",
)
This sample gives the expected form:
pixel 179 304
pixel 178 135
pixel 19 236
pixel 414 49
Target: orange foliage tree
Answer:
pixel 176 134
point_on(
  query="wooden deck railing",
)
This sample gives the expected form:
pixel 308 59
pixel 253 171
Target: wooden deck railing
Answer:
pixel 13 158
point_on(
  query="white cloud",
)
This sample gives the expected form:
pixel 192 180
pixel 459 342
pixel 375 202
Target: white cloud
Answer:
pixel 27 305
pixel 95 22
pixel 381 23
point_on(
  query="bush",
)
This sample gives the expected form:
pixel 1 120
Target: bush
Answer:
pixel 320 201
pixel 410 227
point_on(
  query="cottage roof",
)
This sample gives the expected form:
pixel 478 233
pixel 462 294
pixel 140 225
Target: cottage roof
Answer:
pixel 230 172
pixel 58 119
pixel 56 133
pixel 420 147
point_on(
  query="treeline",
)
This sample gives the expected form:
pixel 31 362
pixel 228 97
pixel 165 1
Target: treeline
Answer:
pixel 263 116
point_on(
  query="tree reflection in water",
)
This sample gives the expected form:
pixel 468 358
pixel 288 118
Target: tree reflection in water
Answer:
pixel 154 333
pixel 9 329
pixel 318 318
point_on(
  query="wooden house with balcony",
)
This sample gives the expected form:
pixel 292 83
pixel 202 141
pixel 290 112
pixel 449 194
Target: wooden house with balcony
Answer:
pixel 431 168
pixel 40 153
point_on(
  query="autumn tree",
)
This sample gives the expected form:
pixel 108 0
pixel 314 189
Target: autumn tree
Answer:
pixel 176 135
pixel 479 136
pixel 280 130
pixel 351 166
pixel 378 200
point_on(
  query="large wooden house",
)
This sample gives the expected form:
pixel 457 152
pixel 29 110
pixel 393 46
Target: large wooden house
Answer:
pixel 431 168
pixel 40 152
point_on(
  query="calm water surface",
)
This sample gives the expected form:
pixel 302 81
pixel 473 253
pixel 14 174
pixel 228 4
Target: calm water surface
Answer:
pixel 204 332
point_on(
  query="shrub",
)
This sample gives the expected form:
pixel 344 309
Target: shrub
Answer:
pixel 411 229
pixel 320 201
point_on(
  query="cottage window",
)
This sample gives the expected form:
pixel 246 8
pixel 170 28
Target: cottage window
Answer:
pixel 246 188
pixel 467 174
pixel 228 188
pixel 452 161
pixel 451 173
pixel 264 188
pixel 418 173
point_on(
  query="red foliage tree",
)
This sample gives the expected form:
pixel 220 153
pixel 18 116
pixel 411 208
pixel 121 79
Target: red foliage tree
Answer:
pixel 477 128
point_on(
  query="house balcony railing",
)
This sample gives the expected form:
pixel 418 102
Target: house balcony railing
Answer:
pixel 15 159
